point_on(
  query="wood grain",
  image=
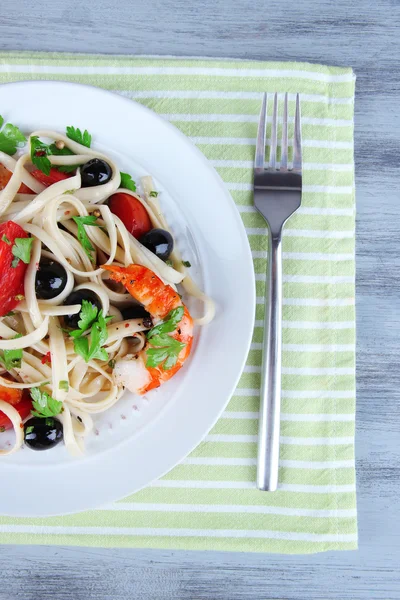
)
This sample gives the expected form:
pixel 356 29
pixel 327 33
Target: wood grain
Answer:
pixel 365 35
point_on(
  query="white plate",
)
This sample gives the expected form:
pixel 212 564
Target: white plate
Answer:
pixel 140 440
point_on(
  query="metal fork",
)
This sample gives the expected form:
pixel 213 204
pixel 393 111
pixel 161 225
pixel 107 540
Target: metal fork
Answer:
pixel 277 195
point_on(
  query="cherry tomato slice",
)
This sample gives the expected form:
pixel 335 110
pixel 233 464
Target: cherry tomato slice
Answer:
pixel 53 177
pixel 12 278
pixel 131 212
pixel 5 176
pixel 24 408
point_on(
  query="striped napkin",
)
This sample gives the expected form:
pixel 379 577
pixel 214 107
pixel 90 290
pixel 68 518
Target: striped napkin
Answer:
pixel 209 501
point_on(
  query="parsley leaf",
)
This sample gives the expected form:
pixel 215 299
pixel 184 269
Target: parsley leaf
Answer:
pixel 21 250
pixel 10 138
pixel 39 155
pixel 63 385
pixel 76 135
pixel 165 349
pixel 83 236
pixel 63 152
pixel 12 358
pixel 127 182
pixel 169 324
pixel 53 149
pixel 91 348
pixel 87 316
pixel 44 404
pixel 153 194
pixel 186 263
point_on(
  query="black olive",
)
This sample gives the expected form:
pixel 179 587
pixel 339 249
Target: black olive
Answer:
pixel 51 279
pixel 159 241
pixel 95 172
pixel 134 311
pixel 42 434
pixel 77 297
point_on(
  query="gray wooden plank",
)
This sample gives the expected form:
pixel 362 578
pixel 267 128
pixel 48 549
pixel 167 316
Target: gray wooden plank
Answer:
pixel 366 36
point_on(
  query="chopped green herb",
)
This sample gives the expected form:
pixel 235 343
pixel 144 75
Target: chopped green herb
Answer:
pixel 44 404
pixel 92 348
pixel 12 358
pixel 29 429
pixel 127 182
pixel 76 135
pixel 63 152
pixel 64 385
pixel 169 263
pixel 111 363
pixel 60 151
pixel 2 429
pixel 21 250
pixel 165 349
pixel 186 263
pixel 39 155
pixel 10 138
pixel 69 191
pixel 5 239
pixel 83 236
pixel 19 297
pixel 88 315
pixel 11 313
pixel 169 324
pixel 153 194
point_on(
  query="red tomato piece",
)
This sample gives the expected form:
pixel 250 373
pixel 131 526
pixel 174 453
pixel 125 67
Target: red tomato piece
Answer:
pixel 131 212
pixel 20 399
pixel 53 177
pixel 12 278
pixel 5 176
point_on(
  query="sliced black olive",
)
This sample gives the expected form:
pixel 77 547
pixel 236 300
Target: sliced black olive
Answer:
pixel 77 297
pixel 137 311
pixel 51 279
pixel 42 434
pixel 95 172
pixel 158 241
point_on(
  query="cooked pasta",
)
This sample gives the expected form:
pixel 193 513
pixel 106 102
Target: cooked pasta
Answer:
pixel 71 349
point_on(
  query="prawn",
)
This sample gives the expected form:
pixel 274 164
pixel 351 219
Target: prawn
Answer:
pixel 158 299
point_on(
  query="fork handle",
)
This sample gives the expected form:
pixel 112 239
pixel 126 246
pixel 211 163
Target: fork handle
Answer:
pixel 270 400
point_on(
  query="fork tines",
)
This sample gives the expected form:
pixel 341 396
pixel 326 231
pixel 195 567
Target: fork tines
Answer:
pixel 261 137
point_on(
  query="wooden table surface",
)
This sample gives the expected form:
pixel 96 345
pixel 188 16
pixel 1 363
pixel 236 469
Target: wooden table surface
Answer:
pixel 366 36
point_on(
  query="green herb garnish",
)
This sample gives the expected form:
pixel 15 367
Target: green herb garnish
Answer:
pixel 164 349
pixel 169 324
pixel 5 239
pixel 76 135
pixel 63 152
pixel 111 363
pixel 153 194
pixel 127 182
pixel 83 236
pixel 11 138
pixel 88 316
pixel 186 263
pixel 12 358
pixel 91 348
pixel 21 250
pixel 63 385
pixel 44 404
pixel 39 155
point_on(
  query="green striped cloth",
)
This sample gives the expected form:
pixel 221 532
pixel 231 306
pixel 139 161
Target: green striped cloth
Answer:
pixel 210 501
